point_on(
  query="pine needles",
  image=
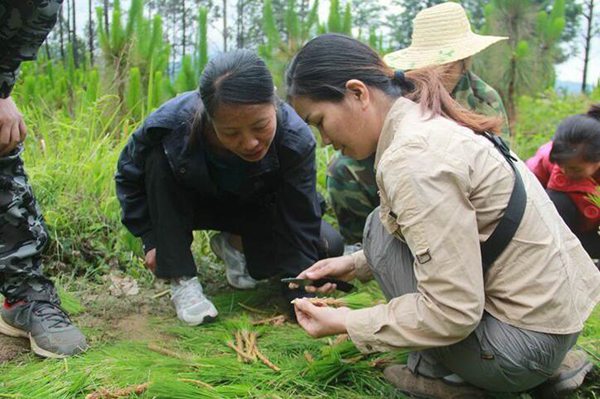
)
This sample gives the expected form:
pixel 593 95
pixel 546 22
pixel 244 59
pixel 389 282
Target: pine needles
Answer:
pixel 357 300
pixel 595 198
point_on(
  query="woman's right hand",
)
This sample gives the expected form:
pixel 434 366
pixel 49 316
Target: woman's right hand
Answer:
pixel 341 267
pixel 150 260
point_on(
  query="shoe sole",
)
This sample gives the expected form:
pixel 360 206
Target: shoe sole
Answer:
pixel 11 331
pixel 206 319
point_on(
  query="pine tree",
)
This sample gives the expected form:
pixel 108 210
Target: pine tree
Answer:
pixel 334 21
pixel 524 63
pixel 347 20
pixel 592 28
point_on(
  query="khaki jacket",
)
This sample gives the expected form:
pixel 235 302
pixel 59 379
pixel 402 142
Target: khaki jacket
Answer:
pixel 443 190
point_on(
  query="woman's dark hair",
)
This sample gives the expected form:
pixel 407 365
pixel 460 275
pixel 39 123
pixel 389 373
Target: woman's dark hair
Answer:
pixel 322 67
pixel 578 136
pixel 236 77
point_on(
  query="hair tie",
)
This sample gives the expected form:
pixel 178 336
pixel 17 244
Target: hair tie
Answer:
pixel 399 75
pixel 406 85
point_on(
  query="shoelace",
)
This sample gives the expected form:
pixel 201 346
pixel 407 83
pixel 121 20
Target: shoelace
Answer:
pixel 51 313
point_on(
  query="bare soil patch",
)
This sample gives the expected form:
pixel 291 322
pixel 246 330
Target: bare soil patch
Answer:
pixel 11 347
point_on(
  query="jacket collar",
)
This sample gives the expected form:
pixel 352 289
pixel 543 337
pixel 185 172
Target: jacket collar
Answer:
pixel 177 112
pixel 401 107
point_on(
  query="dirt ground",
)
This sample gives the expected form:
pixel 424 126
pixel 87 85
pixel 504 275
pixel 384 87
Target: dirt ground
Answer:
pixel 11 347
pixel 106 318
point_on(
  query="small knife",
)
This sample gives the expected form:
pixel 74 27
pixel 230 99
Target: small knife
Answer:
pixel 303 282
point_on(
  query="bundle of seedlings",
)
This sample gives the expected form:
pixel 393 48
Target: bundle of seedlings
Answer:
pixel 247 349
pixel 340 360
pixel 358 300
pixel 334 362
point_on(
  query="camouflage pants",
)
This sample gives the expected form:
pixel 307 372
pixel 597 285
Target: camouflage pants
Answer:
pixel 23 236
pixel 353 191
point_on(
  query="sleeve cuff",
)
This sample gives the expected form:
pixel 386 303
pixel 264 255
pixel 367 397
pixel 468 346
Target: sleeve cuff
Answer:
pixel 361 267
pixel 362 325
pixel 7 82
pixel 148 241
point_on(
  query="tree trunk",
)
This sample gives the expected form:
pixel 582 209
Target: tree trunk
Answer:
pixel 304 9
pixel 240 24
pixel 174 41
pixel 588 15
pixel 74 32
pixel 184 23
pixel 61 21
pixel 225 33
pixel 91 32
pixel 511 94
pixel 106 16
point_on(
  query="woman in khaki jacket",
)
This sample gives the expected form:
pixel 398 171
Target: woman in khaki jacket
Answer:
pixel 503 323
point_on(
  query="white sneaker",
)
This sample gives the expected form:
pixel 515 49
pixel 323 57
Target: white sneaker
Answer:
pixel 192 306
pixel 235 262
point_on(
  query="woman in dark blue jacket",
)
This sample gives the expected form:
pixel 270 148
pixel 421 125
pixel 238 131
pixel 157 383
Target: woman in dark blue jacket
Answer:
pixel 230 157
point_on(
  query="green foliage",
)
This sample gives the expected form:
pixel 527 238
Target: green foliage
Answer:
pixel 523 64
pixel 134 93
pixel 334 21
pixel 187 78
pixel 595 198
pixel 347 22
pixel 202 40
pixel 540 115
pixel 280 47
pixel 291 20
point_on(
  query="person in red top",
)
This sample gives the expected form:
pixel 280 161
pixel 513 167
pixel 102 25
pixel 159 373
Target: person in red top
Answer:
pixel 569 168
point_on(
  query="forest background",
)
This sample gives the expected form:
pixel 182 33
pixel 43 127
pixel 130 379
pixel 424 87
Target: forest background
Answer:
pixel 92 86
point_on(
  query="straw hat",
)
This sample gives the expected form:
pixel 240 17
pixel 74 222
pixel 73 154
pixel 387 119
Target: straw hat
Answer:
pixel 441 34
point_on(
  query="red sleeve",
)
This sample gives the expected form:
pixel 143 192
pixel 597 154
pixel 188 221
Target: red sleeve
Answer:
pixel 540 163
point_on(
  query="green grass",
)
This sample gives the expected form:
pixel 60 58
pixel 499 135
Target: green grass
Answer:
pixel 202 355
pixel 337 370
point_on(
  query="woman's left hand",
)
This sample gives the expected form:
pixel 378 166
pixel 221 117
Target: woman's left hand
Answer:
pixel 320 321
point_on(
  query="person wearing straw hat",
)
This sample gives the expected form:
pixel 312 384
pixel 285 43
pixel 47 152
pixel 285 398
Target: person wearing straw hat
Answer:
pixel 442 36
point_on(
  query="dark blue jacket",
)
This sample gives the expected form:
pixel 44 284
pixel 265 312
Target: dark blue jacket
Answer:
pixel 286 175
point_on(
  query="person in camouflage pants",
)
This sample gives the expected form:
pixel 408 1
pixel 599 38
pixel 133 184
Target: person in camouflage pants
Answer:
pixel 351 183
pixel 32 307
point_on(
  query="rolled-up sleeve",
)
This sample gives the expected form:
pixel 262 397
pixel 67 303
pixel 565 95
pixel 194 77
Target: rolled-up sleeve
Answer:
pixel 434 215
pixel 361 266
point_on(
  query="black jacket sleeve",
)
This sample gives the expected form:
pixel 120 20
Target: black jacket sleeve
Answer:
pixel 130 182
pixel 298 204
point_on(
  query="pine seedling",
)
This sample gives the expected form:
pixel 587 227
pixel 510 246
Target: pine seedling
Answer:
pixel 358 300
pixel 595 197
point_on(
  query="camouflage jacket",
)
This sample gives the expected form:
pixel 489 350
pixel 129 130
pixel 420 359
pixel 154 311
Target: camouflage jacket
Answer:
pixel 475 94
pixel 24 26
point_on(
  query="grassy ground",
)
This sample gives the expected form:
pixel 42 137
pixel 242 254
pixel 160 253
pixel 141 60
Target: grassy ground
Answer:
pixel 137 340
